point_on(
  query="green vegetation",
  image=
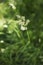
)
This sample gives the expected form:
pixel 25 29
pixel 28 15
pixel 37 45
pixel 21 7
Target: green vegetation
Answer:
pixel 21 32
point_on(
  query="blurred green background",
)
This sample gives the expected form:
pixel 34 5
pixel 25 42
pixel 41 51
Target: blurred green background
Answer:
pixel 21 32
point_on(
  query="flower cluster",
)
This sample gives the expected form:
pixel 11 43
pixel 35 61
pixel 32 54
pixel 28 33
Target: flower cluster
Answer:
pixel 23 22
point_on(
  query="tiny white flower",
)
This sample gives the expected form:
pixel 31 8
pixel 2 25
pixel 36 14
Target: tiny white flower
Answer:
pixel 23 18
pixel 5 26
pixel 1 41
pixel 2 50
pixel 12 5
pixel 28 21
pixel 23 28
pixel 21 23
pixel 39 40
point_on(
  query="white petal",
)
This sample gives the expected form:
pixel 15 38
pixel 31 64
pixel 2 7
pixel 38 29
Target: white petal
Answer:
pixel 23 28
pixel 5 26
pixel 1 41
pixel 2 50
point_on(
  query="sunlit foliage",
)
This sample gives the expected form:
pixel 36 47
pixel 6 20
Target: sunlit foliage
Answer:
pixel 21 32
